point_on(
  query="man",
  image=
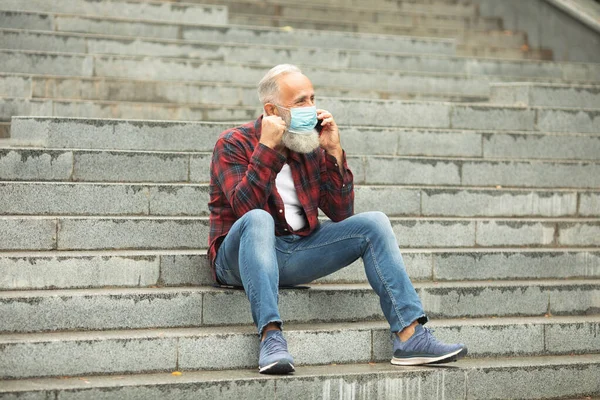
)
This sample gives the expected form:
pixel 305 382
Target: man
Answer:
pixel 268 179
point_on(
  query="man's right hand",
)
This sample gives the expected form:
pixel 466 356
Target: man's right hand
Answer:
pixel 272 130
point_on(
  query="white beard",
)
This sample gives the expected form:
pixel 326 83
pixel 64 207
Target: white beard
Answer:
pixel 301 143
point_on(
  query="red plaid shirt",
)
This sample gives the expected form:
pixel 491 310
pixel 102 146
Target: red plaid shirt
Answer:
pixel 242 178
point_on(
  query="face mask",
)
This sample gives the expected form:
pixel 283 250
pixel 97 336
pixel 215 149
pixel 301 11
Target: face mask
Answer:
pixel 304 119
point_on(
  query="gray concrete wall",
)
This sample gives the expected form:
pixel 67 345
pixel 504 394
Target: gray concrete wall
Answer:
pixel 547 26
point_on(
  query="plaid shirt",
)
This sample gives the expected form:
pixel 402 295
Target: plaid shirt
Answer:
pixel 242 178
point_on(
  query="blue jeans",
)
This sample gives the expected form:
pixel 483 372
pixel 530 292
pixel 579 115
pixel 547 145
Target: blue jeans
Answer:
pixel 253 257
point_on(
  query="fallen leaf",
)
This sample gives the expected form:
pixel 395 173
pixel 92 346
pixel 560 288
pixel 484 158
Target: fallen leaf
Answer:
pixel 176 373
pixel 498 187
pixel 525 47
pixel 287 29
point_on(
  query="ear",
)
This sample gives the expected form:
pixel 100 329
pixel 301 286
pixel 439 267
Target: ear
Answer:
pixel 271 109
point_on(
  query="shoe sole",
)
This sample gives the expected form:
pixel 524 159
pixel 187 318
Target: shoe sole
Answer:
pixel 446 358
pixel 278 368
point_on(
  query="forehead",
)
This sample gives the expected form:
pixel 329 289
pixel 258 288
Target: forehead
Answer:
pixel 293 86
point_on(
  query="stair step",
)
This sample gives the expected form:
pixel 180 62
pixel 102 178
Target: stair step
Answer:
pixel 97 269
pixel 4 130
pixel 221 33
pixel 140 308
pixel 26 164
pixel 351 111
pixel 502 378
pixel 18 39
pixel 89 198
pixel 194 349
pixel 546 94
pixel 59 132
pixel 385 26
pixel 409 86
pixel 292 13
pixel 140 67
pixel 452 7
pixel 152 10
pixel 517 53
pixel 124 233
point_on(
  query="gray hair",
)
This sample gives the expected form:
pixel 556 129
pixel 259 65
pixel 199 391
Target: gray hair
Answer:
pixel 268 88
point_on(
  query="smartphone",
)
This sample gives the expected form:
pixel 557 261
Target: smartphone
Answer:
pixel 319 126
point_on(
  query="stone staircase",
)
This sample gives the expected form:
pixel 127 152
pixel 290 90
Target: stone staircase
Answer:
pixel 488 168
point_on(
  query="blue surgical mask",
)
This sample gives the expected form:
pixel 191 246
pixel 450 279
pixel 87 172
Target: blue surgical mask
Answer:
pixel 304 119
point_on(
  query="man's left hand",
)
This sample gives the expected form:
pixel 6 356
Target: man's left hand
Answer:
pixel 330 135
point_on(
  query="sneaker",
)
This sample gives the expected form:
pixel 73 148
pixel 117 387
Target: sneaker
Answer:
pixel 274 357
pixel 424 348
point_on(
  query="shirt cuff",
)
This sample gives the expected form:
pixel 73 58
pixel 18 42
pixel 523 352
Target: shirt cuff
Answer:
pixel 340 179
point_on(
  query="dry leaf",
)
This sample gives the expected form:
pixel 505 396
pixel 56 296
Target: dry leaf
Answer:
pixel 176 373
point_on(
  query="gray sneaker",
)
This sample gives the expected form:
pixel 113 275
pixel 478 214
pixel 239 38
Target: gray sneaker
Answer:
pixel 274 357
pixel 424 348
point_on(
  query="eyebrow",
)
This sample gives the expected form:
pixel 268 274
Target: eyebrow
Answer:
pixel 302 98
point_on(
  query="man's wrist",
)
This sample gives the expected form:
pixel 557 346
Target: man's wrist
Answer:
pixel 338 152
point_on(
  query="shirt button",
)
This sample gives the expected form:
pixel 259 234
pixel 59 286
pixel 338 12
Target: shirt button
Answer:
pixel 280 211
pixel 285 229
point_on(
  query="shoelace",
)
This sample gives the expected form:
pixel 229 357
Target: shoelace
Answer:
pixel 274 344
pixel 426 340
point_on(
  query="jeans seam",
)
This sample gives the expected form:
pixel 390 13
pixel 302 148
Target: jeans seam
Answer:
pixel 250 287
pixel 385 285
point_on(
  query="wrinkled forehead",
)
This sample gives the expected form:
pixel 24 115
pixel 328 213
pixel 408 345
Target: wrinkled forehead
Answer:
pixel 294 87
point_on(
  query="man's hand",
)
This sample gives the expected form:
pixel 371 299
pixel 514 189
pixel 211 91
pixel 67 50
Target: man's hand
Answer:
pixel 272 130
pixel 330 135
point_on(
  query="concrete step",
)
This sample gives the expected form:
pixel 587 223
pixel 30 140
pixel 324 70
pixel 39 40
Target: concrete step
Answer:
pixel 106 199
pixel 21 233
pixel 221 33
pixel 4 130
pixel 546 94
pixel 287 7
pixel 409 86
pixel 70 42
pixel 356 112
pixel 385 25
pixel 66 165
pixel 426 40
pixel 292 11
pixel 502 378
pixel 58 132
pixel 151 10
pixel 169 167
pixel 197 349
pixel 139 67
pixel 502 39
pixel 443 6
pixel 518 53
pixel 135 308
pixel 151 268
pixel 17 39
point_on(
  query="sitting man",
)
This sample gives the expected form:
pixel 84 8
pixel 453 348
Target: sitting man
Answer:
pixel 267 180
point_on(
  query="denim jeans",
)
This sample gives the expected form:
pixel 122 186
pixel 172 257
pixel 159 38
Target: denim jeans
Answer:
pixel 253 257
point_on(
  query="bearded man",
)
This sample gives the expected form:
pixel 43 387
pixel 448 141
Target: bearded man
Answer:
pixel 268 178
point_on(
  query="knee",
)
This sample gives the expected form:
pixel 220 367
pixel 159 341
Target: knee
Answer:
pixel 375 221
pixel 258 220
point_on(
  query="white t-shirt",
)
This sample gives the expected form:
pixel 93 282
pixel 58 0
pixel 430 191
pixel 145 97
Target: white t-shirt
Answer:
pixel 294 213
